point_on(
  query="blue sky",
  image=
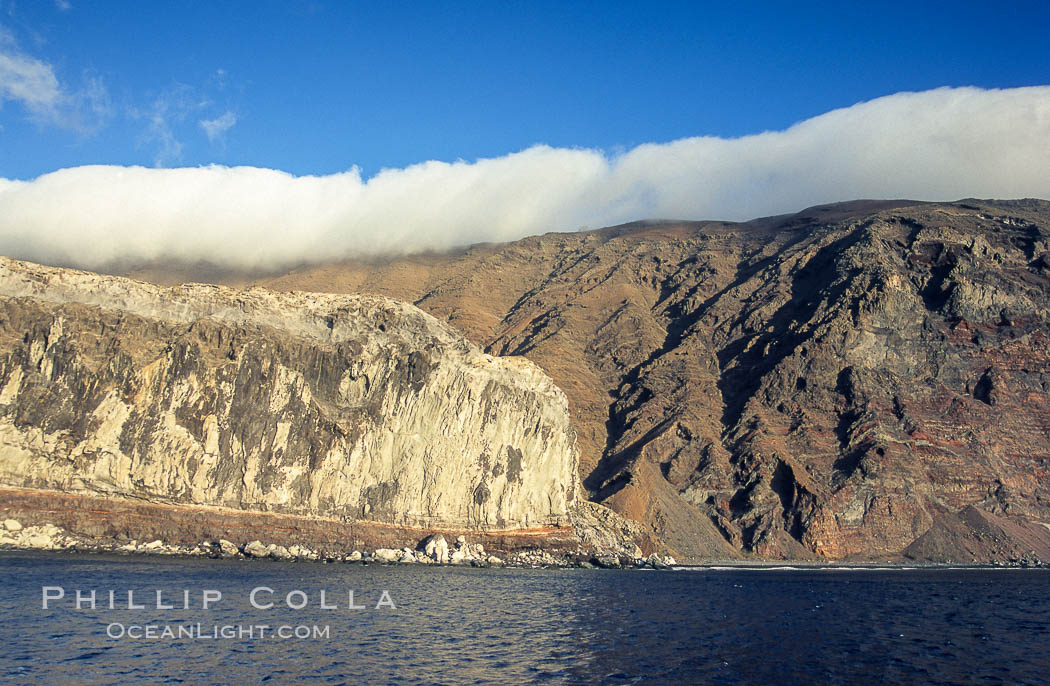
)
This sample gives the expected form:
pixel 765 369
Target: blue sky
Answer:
pixel 316 87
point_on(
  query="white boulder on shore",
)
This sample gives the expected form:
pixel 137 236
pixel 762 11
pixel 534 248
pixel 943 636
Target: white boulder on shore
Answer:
pixel 42 537
pixel 436 548
pixel 657 562
pixel 386 555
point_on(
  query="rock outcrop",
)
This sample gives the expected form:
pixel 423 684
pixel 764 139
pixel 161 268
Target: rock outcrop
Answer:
pixel 975 536
pixel 355 408
pixel 432 550
pixel 822 385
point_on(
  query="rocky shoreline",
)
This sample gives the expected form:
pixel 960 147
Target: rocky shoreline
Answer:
pixel 432 550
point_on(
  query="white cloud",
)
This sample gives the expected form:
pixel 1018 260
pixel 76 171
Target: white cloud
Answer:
pixel 219 79
pixel 29 81
pixel 165 113
pixel 216 128
pixel 34 84
pixel 936 145
pixel 63 5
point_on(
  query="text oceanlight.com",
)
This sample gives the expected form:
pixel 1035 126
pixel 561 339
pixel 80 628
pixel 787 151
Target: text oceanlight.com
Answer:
pixel 198 631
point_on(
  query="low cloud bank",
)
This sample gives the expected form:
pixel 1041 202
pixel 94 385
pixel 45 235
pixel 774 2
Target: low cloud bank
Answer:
pixel 942 144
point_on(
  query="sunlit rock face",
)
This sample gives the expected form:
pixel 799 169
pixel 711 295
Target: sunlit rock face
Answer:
pixel 338 406
pixel 826 384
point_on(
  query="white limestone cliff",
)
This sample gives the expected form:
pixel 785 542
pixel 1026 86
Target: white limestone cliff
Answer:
pixel 350 406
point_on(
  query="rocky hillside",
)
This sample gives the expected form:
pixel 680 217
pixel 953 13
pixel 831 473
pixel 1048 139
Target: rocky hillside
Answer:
pixel 352 408
pixel 827 384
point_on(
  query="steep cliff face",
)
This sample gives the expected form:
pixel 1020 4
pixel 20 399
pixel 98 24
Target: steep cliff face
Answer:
pixel 353 407
pixel 824 384
pixel 877 373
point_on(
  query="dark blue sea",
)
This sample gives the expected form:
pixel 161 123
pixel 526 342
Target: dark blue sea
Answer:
pixel 491 626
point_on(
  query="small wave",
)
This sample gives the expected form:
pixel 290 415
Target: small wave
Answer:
pixel 843 568
pixel 866 569
pixel 799 568
pixel 734 568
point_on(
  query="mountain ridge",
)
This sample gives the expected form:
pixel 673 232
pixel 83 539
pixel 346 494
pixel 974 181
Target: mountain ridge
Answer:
pixel 672 339
pixel 833 383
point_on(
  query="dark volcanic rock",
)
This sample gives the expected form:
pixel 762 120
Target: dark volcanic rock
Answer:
pixel 976 536
pixel 824 384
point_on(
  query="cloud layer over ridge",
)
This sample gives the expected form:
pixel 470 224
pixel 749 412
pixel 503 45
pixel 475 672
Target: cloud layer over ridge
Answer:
pixel 942 144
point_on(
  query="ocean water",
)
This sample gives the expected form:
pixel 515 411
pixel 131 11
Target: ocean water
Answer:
pixel 492 626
